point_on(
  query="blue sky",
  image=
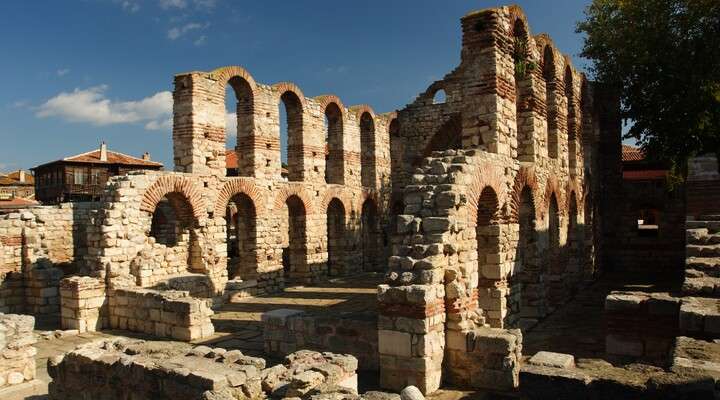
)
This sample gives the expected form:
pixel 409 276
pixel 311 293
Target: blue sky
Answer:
pixel 76 72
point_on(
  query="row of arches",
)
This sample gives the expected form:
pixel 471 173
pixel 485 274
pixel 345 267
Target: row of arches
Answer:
pixel 544 272
pixel 555 87
pixel 347 236
pixel 292 111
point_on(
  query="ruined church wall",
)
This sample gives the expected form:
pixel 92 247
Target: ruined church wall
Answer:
pixel 37 247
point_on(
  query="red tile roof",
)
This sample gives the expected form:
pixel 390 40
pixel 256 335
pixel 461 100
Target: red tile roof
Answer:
pixel 231 161
pixel 632 153
pixel 17 203
pixel 648 174
pixel 112 158
pixel 13 178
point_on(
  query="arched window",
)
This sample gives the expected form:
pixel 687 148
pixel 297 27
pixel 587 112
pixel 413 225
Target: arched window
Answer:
pixel 370 236
pixel 241 237
pixel 487 237
pixel 550 100
pixel 239 125
pixel 523 69
pixel 571 122
pixel 440 97
pixel 334 160
pixel 291 139
pixel 523 310
pixel 173 226
pixel 336 238
pixel 294 256
pixel 367 148
pixel 447 137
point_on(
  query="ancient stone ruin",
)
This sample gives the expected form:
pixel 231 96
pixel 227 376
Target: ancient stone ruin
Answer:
pixel 485 202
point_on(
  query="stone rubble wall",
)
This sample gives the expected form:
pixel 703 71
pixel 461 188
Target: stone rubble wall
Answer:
pixel 37 247
pixel 286 331
pixel 597 379
pixel 17 354
pixel 161 370
pixel 165 314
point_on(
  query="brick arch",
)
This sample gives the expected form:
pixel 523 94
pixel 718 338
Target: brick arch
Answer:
pixel 388 117
pixel 283 87
pixel 325 100
pixel 336 193
pixel 524 178
pixel 572 186
pixel 293 190
pixel 553 187
pixel 236 186
pixel 173 184
pixel 487 175
pixel 517 14
pixel 360 109
pixel 223 75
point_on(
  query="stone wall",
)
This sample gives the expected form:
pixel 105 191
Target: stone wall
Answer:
pixel 17 354
pixel 286 331
pixel 641 325
pixel 38 246
pixel 169 313
pixel 655 251
pixel 162 370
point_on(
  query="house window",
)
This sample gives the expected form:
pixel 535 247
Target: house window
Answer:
pixel 79 176
pixel 648 223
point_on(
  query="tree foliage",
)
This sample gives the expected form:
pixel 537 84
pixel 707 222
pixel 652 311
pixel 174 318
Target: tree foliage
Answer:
pixel 664 55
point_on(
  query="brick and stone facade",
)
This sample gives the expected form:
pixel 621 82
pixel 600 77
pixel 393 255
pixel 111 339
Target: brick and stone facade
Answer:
pixel 481 210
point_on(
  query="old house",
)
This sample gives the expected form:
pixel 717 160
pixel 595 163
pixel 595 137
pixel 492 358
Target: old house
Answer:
pixel 82 177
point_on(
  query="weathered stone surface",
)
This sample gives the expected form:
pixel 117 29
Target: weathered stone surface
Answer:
pixel 550 359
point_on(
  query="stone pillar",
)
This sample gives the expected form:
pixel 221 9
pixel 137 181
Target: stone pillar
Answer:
pixel 489 82
pixel 531 121
pixel 83 304
pixel 411 336
pixel 199 125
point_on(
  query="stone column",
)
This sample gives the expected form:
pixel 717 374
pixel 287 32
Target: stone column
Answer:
pixel 489 82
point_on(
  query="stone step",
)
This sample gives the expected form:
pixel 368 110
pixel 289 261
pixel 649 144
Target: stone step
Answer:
pixel 704 266
pixel 713 226
pixel 704 286
pixel 709 217
pixel 704 251
pixel 701 236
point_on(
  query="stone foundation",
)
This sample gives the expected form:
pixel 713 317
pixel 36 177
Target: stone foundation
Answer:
pixel 166 314
pixel 17 354
pixel 641 325
pixel 485 358
pixel 286 331
pixel 124 369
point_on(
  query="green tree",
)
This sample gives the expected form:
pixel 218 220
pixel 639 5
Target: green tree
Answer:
pixel 664 56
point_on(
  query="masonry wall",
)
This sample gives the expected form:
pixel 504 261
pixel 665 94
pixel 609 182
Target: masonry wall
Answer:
pixel 38 246
pixel 497 221
pixel 654 251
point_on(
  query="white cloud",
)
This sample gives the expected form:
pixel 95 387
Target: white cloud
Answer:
pixel 167 4
pixel 130 6
pixel 231 124
pixel 160 125
pixel 20 104
pixel 176 32
pixel 63 71
pixel 92 106
pixel 200 41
